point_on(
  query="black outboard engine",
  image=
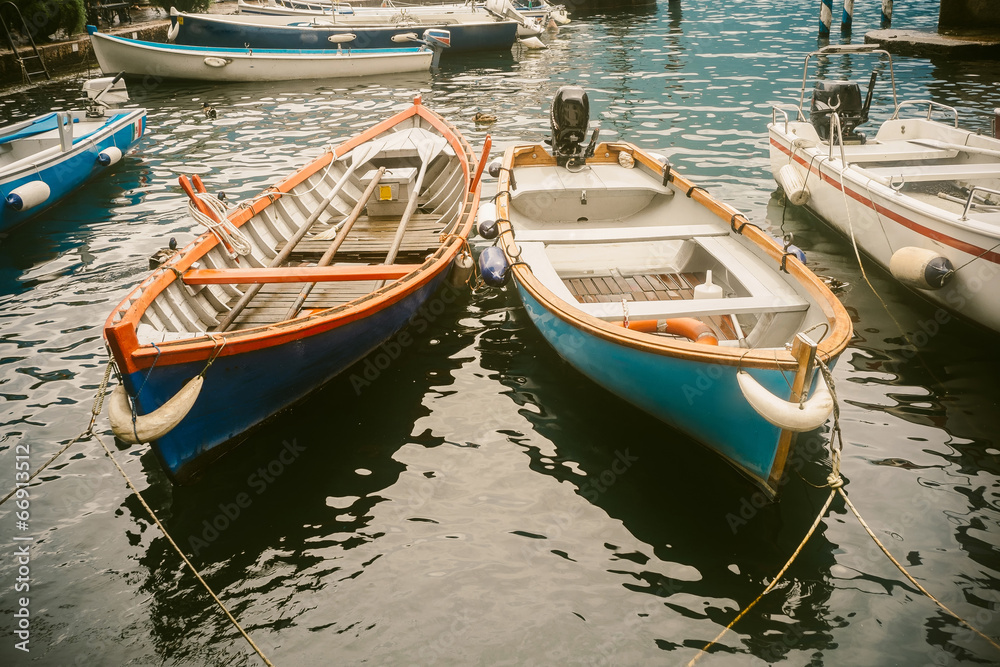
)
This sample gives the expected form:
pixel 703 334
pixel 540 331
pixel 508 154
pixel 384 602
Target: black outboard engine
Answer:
pixel 844 98
pixel 569 118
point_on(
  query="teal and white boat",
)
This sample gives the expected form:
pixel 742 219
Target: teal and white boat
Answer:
pixel 663 295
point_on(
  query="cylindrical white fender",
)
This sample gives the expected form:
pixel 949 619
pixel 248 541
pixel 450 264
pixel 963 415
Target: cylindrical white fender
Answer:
pixel 157 423
pixel 109 156
pixel 461 270
pixel 28 195
pixel 405 37
pixel 790 416
pixel 175 28
pixel 793 185
pixel 212 61
pixel 342 39
pixel 921 268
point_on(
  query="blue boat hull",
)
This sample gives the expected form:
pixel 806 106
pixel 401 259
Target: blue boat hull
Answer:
pixel 469 37
pixel 243 391
pixel 67 171
pixel 702 400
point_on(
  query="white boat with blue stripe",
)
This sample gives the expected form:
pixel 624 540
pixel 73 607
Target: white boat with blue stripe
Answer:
pixel 202 63
pixel 43 159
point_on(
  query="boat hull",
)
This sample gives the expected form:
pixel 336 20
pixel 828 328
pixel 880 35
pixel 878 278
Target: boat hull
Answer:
pixel 163 61
pixel 701 400
pixel 882 221
pixel 66 171
pixel 280 376
pixel 197 30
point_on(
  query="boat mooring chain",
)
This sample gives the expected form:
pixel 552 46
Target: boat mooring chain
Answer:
pixel 95 412
pixel 836 485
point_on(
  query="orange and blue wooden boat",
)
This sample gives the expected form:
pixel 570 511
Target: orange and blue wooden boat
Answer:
pixel 290 288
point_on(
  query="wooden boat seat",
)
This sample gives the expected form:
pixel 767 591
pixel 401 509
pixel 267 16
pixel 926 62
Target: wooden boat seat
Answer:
pixel 611 235
pixel 893 152
pixel 935 172
pixel 768 292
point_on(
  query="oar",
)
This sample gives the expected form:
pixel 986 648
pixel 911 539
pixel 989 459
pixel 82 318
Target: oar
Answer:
pixel 204 208
pixel 327 257
pixel 426 152
pixel 362 154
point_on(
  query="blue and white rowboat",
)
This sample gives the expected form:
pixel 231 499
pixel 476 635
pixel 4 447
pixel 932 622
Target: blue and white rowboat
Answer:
pixel 665 296
pixel 45 158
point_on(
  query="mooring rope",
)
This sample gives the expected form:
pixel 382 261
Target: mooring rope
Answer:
pixel 836 485
pixel 180 553
pixel 95 411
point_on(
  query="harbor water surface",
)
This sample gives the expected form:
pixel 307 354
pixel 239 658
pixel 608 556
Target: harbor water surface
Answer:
pixel 463 497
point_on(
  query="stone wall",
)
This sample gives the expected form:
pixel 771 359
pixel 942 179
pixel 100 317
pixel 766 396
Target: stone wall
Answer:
pixel 969 15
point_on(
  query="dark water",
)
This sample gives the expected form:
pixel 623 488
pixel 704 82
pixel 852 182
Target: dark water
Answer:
pixel 479 502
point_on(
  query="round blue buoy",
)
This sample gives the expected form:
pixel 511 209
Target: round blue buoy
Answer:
pixel 488 229
pixel 493 267
pixel 798 252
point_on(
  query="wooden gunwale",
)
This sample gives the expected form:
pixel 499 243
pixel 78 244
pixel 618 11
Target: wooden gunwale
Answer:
pixel 120 327
pixel 832 345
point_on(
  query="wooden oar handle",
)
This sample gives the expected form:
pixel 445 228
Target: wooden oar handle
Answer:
pixel 482 163
pixel 199 186
pixel 190 192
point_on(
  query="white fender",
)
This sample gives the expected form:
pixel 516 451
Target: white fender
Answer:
pixel 109 156
pixel 342 38
pixel 793 185
pixel 28 195
pixel 157 423
pixel 534 43
pixel 405 37
pixel 212 61
pixel 173 30
pixel 784 414
pixel 921 268
pixel 461 270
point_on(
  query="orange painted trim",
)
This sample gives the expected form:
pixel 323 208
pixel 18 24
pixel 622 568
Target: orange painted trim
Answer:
pixel 120 327
pixel 838 319
pixel 297 274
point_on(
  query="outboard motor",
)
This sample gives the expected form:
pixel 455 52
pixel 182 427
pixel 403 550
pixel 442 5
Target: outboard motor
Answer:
pixel 569 118
pixel 844 98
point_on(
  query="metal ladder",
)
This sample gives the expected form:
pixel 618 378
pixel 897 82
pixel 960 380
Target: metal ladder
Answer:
pixel 5 9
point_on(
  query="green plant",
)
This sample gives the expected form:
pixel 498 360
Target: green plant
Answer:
pixel 185 5
pixel 45 17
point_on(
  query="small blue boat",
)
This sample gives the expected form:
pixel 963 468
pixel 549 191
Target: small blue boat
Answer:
pixel 296 32
pixel 45 158
pixel 663 295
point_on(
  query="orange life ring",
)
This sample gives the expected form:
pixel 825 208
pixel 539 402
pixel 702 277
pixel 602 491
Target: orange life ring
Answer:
pixel 689 327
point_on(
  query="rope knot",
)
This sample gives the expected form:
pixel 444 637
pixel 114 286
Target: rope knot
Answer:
pixel 834 481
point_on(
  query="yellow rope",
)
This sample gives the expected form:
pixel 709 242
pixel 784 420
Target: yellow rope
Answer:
pixel 907 574
pixel 812 529
pixel 181 553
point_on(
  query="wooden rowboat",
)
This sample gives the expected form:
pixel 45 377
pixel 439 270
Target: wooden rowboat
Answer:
pixel 210 63
pixel 665 296
pixel 338 257
pixel 921 197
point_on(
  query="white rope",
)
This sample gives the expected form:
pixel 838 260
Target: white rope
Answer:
pixel 229 236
